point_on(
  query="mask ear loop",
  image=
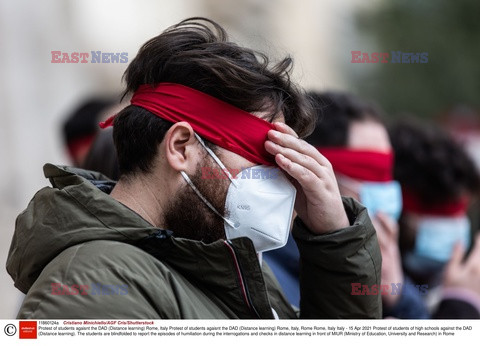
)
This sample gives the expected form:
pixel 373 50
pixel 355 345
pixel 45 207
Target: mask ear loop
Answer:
pixel 199 194
pixel 217 160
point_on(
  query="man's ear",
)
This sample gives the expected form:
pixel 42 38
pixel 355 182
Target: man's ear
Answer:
pixel 181 148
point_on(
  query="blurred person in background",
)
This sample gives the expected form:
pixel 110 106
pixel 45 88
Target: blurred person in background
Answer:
pixel 350 133
pixel 439 181
pixel 81 127
pixel 164 242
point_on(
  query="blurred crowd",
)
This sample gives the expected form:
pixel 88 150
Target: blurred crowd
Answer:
pixel 417 181
pixel 420 188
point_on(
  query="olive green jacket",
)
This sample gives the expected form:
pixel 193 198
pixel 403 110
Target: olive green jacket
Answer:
pixel 78 253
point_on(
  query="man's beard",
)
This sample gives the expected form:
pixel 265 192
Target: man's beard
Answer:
pixel 187 216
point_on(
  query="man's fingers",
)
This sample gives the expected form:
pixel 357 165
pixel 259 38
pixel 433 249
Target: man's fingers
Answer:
pixel 282 127
pixel 303 176
pixel 299 145
pixel 301 159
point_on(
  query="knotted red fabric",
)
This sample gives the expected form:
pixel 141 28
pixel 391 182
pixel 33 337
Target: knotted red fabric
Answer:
pixel 219 122
pixel 364 165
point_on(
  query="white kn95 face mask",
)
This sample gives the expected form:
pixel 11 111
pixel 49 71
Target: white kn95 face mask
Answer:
pixel 259 204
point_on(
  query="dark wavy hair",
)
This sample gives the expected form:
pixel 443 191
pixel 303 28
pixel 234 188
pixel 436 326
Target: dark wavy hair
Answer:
pixel 430 163
pixel 197 53
pixel 335 111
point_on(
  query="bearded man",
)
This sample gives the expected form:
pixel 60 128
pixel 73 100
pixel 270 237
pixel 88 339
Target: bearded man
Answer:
pixel 164 242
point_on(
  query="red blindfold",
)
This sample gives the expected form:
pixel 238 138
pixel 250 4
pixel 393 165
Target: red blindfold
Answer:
pixel 219 122
pixel 413 204
pixel 360 164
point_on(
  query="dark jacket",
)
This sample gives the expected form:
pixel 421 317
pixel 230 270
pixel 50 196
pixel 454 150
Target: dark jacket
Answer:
pixel 74 234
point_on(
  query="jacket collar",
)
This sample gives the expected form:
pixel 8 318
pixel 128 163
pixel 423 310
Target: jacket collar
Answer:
pixel 225 270
pixel 229 270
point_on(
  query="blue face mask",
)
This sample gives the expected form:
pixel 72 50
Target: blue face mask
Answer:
pixel 436 236
pixel 382 197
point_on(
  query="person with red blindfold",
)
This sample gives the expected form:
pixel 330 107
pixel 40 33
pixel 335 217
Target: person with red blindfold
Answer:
pixel 352 136
pixel 166 242
pixel 81 127
pixel 439 181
